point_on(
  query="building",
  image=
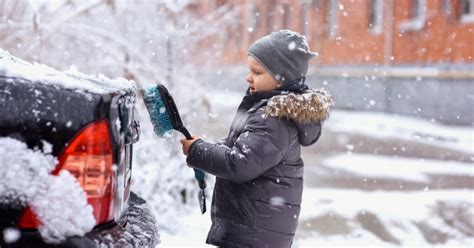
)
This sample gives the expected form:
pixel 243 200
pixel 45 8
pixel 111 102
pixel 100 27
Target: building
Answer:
pixel 360 32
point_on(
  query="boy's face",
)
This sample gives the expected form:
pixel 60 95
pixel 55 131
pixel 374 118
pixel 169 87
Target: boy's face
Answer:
pixel 259 78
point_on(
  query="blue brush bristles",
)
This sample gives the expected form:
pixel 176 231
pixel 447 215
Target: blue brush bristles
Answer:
pixel 160 119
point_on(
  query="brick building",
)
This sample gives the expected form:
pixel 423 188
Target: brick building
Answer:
pixel 359 32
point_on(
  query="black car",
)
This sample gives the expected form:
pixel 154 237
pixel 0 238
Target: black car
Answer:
pixel 87 123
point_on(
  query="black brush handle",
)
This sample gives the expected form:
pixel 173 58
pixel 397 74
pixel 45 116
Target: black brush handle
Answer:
pixel 197 173
pixel 185 132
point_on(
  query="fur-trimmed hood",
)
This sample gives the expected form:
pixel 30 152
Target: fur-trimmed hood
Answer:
pixel 307 111
pixel 310 106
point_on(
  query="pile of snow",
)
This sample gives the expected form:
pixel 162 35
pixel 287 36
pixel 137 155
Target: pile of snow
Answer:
pixel 389 167
pixel 336 217
pixel 58 201
pixel 13 67
pixel 193 225
pixel 381 217
pixel 384 125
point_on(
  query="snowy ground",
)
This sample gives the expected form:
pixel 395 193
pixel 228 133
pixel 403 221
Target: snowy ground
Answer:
pixel 373 179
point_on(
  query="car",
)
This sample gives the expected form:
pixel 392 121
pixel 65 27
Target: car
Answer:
pixel 83 127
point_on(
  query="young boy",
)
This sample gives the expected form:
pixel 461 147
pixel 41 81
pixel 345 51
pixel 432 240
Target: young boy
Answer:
pixel 258 169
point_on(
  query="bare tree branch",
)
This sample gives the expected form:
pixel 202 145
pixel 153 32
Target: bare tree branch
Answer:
pixel 54 28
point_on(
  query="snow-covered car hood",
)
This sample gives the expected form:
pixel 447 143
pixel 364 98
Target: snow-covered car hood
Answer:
pixel 14 67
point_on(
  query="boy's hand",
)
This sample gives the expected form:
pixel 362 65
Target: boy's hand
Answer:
pixel 187 144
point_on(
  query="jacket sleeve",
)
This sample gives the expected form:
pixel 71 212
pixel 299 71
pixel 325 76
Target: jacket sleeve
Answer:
pixel 261 145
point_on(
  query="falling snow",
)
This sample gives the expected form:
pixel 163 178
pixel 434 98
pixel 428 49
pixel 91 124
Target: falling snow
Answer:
pixel 11 235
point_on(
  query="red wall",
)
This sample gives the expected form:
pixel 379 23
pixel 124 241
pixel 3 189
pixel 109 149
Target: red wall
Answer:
pixel 443 39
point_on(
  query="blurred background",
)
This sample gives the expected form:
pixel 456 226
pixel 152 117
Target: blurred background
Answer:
pixel 394 165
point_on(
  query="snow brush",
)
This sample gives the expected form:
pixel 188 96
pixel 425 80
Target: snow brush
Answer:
pixel 165 118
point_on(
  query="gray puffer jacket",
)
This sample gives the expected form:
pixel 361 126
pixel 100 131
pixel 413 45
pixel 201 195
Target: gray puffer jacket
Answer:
pixel 258 169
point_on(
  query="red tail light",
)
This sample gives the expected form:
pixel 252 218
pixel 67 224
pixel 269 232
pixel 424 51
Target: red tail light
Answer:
pixel 89 157
pixel 29 219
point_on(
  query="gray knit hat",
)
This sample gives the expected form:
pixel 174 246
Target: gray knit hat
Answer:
pixel 285 54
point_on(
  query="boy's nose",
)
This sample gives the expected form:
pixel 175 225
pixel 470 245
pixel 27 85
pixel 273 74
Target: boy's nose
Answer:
pixel 249 78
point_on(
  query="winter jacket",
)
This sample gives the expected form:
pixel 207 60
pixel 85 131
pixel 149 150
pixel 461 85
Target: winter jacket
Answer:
pixel 258 168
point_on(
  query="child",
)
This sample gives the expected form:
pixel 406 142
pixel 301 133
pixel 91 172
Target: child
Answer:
pixel 258 168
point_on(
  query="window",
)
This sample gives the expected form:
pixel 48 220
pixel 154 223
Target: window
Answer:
pixel 258 19
pixel 316 3
pixel 333 18
pixel 239 28
pixel 375 16
pixel 466 10
pixel 305 22
pixel 254 21
pixel 270 18
pixel 415 9
pixel 286 16
pixel 417 13
pixel 447 8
